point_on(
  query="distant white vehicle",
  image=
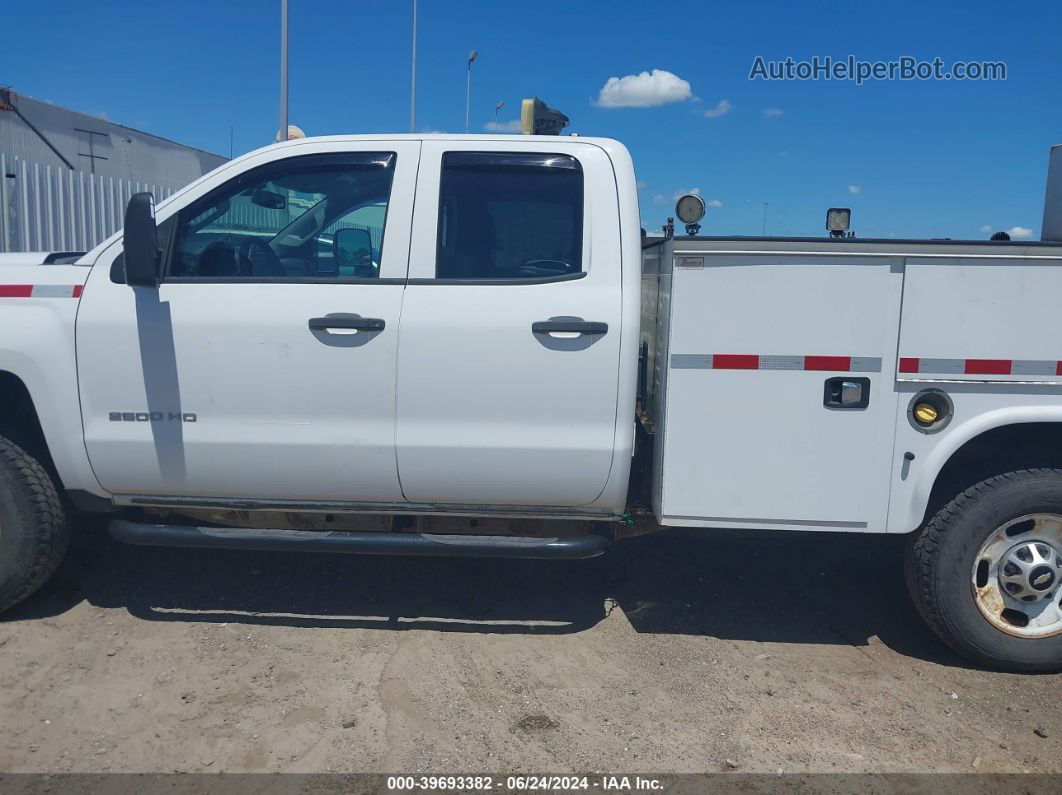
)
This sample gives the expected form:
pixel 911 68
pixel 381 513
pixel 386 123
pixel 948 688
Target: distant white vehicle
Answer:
pixel 330 332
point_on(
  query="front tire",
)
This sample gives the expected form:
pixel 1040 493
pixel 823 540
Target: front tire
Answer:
pixel 986 571
pixel 33 529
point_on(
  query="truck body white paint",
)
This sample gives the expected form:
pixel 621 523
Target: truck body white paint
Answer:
pixel 456 407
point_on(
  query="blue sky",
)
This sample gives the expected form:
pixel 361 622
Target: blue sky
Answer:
pixel 912 158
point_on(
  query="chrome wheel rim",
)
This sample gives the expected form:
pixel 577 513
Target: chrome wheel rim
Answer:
pixel 1017 576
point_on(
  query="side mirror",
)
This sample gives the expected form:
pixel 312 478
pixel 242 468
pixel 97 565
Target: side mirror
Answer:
pixel 140 240
pixel 352 248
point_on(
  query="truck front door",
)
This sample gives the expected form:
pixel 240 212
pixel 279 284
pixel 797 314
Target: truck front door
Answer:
pixel 509 347
pixel 263 366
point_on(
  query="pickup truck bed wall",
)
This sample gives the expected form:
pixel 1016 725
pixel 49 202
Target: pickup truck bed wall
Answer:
pixel 743 336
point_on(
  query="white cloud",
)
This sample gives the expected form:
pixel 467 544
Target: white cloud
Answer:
pixel 503 126
pixel 714 203
pixel 770 113
pixel 722 107
pixel 660 198
pixel 680 193
pixel 986 229
pixel 855 189
pixel 644 90
pixel 1019 232
pixel 641 184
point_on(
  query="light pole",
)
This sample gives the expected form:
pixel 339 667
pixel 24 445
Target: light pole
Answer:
pixel 497 108
pixel 413 70
pixel 468 87
pixel 282 135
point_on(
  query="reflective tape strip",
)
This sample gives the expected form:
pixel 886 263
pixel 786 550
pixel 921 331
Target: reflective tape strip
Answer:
pixel 41 290
pixel 910 365
pixel 743 361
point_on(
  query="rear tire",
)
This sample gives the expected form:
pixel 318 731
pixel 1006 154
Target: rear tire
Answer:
pixel 954 583
pixel 33 528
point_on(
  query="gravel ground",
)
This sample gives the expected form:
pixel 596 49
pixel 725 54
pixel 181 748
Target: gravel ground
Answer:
pixel 686 651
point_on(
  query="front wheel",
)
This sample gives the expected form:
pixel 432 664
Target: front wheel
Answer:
pixel 33 527
pixel 986 571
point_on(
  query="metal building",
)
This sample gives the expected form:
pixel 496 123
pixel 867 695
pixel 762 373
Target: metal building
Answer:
pixel 67 175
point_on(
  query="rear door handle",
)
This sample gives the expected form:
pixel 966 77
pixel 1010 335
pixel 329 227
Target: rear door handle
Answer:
pixel 356 323
pixel 569 327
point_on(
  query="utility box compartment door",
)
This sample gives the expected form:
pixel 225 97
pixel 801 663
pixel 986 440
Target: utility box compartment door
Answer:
pixel 767 355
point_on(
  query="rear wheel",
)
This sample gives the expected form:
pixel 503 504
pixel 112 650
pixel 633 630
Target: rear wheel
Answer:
pixel 986 571
pixel 33 528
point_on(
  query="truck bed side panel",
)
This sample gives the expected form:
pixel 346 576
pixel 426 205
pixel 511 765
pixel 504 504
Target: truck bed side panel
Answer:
pixel 754 336
pixel 986 330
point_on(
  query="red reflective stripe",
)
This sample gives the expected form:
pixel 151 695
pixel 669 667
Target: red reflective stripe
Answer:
pixel 16 290
pixel 731 361
pixel 909 364
pixel 987 367
pixel 77 290
pixel 1058 368
pixel 827 362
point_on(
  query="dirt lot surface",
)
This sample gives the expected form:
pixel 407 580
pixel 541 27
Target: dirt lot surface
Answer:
pixel 681 652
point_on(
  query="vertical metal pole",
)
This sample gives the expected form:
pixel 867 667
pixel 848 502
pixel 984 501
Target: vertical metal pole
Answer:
pixel 283 70
pixel 4 220
pixel 765 206
pixel 468 93
pixel 413 79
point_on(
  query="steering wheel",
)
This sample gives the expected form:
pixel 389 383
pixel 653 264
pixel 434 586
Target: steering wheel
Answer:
pixel 258 259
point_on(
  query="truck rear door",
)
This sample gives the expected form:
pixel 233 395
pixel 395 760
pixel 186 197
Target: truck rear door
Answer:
pixel 509 346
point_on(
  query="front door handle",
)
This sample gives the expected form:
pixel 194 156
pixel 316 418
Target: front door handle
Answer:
pixel 355 323
pixel 568 327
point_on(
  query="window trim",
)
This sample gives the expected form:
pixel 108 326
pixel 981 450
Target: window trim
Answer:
pixel 564 277
pixel 278 280
pixel 326 158
pixel 474 159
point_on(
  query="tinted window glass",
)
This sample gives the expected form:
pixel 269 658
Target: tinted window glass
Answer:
pixel 305 218
pixel 509 216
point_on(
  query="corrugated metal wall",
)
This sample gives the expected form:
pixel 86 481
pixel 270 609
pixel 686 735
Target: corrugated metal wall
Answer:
pixel 98 146
pixel 44 208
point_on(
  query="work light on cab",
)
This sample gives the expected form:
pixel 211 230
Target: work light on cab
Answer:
pixel 838 219
pixel 690 210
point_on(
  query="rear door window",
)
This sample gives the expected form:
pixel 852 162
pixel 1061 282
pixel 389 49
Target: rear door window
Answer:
pixel 509 217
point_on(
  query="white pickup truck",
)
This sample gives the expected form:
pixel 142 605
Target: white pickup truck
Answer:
pixel 463 345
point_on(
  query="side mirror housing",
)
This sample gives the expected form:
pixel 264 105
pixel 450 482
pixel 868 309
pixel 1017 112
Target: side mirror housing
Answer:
pixel 352 249
pixel 140 240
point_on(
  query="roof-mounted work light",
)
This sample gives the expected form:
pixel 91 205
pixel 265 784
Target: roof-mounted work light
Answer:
pixel 538 118
pixel 690 210
pixel 838 219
